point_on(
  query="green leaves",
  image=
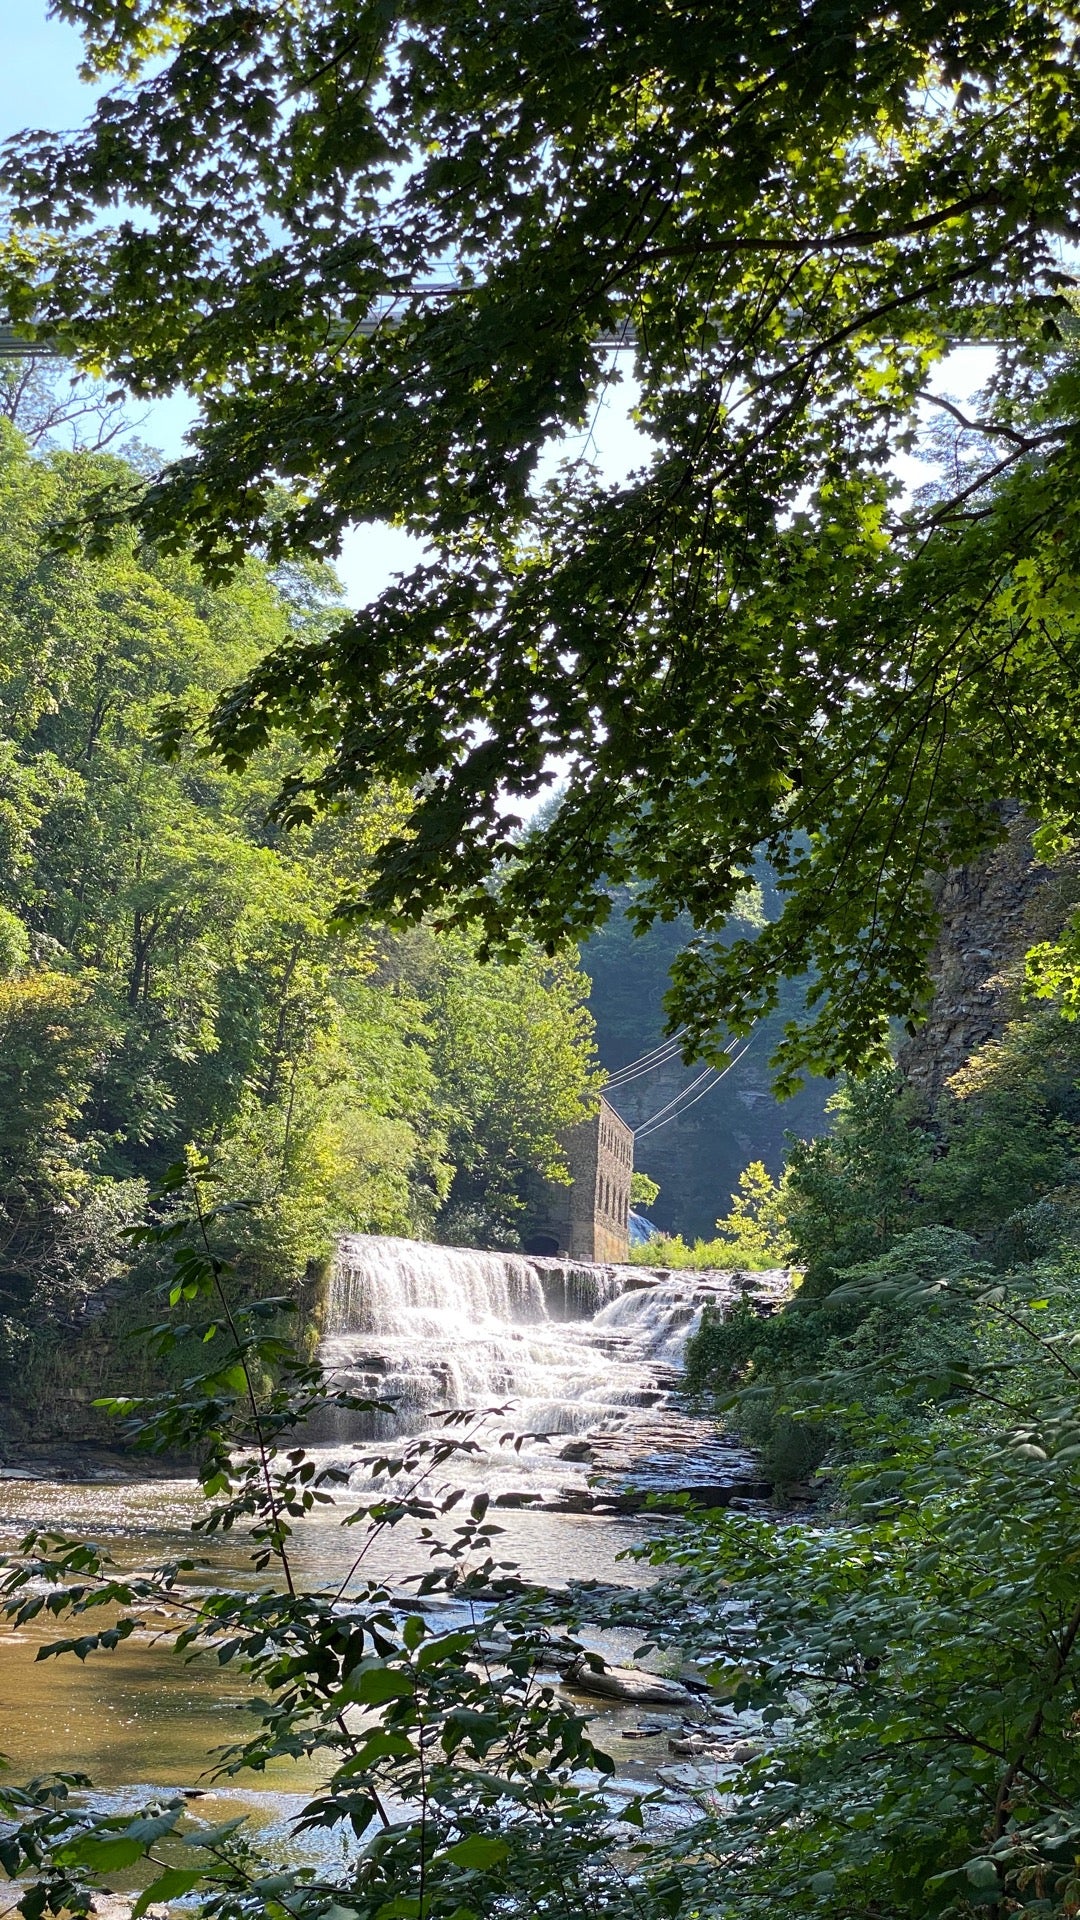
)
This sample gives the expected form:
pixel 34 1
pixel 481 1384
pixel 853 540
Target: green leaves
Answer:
pixel 984 1877
pixel 754 638
pixel 173 1884
pixel 822 1884
pixel 116 1843
pixel 478 1854
pixel 373 1684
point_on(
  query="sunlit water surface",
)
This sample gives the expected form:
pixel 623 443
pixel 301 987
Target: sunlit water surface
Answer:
pixel 561 1351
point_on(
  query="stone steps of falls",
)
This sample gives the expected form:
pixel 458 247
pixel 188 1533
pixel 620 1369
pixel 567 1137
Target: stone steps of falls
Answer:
pixel 592 1353
pixel 671 1452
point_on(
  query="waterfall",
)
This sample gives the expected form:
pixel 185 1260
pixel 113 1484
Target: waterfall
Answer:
pixel 409 1288
pixel 565 1347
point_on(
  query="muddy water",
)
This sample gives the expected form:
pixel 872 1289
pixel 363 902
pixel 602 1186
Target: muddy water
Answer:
pixel 137 1713
pixel 592 1354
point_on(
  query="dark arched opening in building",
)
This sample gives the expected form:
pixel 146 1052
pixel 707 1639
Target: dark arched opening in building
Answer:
pixel 544 1243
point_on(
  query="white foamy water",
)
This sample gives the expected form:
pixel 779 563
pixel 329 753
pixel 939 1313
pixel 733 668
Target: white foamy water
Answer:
pixel 566 1347
pixel 569 1350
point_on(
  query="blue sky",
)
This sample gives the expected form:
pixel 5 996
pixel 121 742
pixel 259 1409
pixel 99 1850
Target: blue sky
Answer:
pixel 40 88
pixel 39 83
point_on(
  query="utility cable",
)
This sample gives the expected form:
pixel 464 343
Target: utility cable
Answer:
pixel 663 1117
pixel 674 1101
pixel 685 1109
pixel 635 1068
pixel 645 1061
pixel 662 1046
pixel 626 1075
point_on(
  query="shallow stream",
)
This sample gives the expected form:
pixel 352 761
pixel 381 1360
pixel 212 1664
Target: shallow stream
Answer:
pixel 583 1360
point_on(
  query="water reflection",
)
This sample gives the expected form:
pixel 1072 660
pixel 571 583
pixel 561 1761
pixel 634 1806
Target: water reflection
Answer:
pixel 139 1713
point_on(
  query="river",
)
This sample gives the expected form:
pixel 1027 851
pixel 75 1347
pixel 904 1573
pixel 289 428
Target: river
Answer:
pixel 583 1360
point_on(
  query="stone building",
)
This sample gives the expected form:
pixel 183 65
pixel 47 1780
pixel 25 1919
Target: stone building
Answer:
pixel 590 1219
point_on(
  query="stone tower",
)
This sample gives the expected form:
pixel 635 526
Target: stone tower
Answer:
pixel 590 1219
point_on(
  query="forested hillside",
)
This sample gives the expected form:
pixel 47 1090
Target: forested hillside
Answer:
pixel 819 610
pixel 707 1128
pixel 169 970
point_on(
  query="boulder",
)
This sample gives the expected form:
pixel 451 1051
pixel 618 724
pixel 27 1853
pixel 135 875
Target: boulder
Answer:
pixel 734 1753
pixel 695 1779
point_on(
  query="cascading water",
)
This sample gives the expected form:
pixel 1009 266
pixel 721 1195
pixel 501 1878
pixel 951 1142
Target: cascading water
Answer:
pixel 564 1348
pixel 586 1355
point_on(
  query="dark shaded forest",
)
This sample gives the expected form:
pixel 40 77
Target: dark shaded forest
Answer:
pixel 710 1129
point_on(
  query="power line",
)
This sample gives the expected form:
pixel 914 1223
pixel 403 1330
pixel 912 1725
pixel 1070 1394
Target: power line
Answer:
pixel 647 1061
pixel 674 1101
pixel 632 1066
pixel 656 1121
pixel 689 1103
pixel 651 1066
pixel 663 1117
pixel 646 1133
pixel 645 1066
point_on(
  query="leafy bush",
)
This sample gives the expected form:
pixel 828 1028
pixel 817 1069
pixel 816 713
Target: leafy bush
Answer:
pixel 850 1194
pixel 760 1371
pixel 671 1250
pixel 751 1237
pixel 643 1191
pixel 1008 1167
pixel 915 1663
pixel 756 1227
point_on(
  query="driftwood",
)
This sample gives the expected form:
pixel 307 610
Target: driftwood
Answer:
pixel 623 1683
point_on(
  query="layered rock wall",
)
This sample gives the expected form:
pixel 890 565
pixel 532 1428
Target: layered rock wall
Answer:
pixel 991 912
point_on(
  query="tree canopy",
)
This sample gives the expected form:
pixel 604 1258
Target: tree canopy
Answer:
pixel 169 967
pixel 387 249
